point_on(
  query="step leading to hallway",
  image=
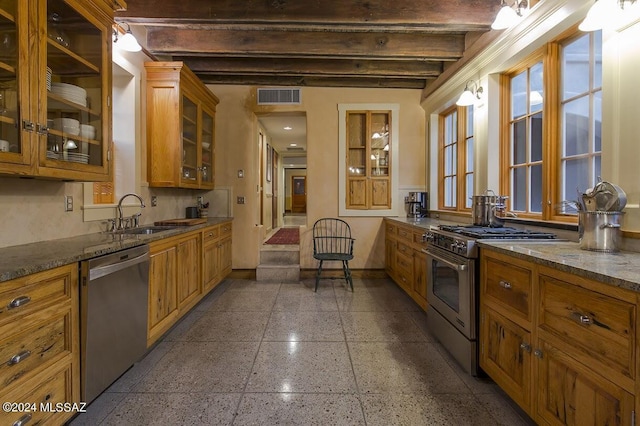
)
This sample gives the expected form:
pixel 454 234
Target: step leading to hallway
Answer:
pixel 279 263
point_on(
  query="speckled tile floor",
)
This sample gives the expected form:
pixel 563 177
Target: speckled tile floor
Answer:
pixel 255 353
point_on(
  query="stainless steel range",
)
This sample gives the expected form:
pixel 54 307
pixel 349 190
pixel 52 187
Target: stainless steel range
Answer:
pixel 452 285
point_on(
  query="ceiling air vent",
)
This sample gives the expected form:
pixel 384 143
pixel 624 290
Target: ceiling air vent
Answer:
pixel 278 96
pixel 295 148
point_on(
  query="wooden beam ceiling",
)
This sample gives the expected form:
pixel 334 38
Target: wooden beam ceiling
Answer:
pixel 373 43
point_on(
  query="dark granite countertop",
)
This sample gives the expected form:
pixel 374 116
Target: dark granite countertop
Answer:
pixel 621 269
pixel 25 259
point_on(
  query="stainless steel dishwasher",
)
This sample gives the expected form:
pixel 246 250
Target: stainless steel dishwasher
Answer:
pixel 113 324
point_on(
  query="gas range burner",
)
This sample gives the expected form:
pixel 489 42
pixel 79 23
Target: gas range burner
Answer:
pixel 483 232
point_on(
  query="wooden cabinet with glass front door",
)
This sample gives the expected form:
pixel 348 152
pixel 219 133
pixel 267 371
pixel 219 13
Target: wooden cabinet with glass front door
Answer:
pixel 55 79
pixel 180 127
pixel 368 160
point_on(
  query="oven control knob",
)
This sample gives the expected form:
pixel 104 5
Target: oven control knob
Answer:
pixel 454 246
pixel 462 247
pixel 428 237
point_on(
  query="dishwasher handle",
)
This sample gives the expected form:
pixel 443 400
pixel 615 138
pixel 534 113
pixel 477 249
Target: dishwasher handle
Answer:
pixel 101 271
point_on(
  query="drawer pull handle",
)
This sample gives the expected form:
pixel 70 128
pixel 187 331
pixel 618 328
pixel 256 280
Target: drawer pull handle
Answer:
pixel 210 234
pixel 538 353
pixel 23 420
pixel 19 301
pixel 581 319
pixel 525 347
pixel 18 357
pixel 505 284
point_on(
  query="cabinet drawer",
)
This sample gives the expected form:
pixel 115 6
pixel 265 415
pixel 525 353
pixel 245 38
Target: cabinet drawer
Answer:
pixel 418 238
pixel 210 234
pixel 53 389
pixel 405 234
pixel 31 293
pixel 23 353
pixel 225 229
pixel 390 228
pixel 509 284
pixel 404 249
pixel 597 326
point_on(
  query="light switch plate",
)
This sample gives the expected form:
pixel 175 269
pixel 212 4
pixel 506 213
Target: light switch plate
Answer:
pixel 154 200
pixel 240 173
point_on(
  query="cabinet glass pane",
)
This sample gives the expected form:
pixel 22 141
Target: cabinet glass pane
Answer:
pixel 73 79
pixel 189 139
pixel 9 72
pixel 357 130
pixel 379 159
pixel 207 147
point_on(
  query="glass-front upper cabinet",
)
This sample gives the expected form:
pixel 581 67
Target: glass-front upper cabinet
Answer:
pixel 74 80
pixel 189 141
pixel 14 87
pixel 207 171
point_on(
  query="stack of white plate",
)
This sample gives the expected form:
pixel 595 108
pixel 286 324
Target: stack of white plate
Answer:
pixel 67 125
pixel 70 92
pixel 53 155
pixel 87 131
pixel 49 72
pixel 77 157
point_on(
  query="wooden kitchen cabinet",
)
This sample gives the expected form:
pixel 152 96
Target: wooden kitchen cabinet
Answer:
pixel 163 288
pixel 56 65
pixel 40 342
pixel 568 340
pixel 405 262
pixel 217 254
pixel 180 128
pixel 368 160
pixel 189 282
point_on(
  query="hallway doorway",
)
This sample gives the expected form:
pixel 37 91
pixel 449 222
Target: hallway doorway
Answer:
pixel 298 194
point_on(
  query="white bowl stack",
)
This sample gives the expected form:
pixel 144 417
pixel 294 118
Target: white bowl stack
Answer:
pixel 70 92
pixel 76 157
pixel 87 131
pixel 67 125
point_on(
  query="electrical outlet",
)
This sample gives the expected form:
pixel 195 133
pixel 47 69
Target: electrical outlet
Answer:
pixel 241 173
pixel 200 200
pixel 240 200
pixel 154 200
pixel 68 203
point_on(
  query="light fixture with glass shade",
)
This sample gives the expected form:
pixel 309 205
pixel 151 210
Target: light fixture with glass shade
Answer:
pixel 127 41
pixel 603 13
pixel 470 95
pixel 509 16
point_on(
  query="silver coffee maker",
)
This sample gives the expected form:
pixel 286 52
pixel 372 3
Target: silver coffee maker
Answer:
pixel 417 204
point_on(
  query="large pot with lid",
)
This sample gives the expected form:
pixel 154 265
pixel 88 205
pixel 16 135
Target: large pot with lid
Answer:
pixel 484 207
pixel 599 231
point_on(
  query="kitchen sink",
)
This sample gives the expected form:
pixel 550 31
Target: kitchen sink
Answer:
pixel 146 230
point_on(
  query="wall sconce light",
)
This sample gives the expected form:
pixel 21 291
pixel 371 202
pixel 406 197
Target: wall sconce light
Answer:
pixel 470 95
pixel 603 12
pixel 128 41
pixel 509 16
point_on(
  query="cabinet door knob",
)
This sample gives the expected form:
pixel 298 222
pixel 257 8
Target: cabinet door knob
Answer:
pixel 505 284
pixel 538 353
pixel 525 346
pixel 19 301
pixel 581 319
pixel 19 357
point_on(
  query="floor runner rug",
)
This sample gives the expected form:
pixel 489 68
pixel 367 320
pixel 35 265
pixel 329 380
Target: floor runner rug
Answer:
pixel 285 236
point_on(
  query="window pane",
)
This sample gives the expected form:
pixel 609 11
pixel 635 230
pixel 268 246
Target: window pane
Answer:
pixel 447 130
pixel 536 137
pixel 597 171
pixel 597 116
pixel 469 166
pixel 536 188
pixel 519 142
pixel 576 176
pixel 519 195
pixel 469 121
pixel 454 192
pixel 519 95
pixel 469 192
pixel 597 63
pixel 575 67
pixel 454 159
pixel 536 89
pixel 449 192
pixel 576 126
pixel 447 160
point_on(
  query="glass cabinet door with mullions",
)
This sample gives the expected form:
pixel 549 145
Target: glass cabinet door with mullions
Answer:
pixel 75 81
pixel 207 138
pixel 189 141
pixel 14 87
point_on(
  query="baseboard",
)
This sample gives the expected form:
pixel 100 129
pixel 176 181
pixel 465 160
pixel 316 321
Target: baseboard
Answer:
pixel 243 274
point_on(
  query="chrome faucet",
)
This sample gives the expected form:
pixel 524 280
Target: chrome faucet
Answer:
pixel 136 217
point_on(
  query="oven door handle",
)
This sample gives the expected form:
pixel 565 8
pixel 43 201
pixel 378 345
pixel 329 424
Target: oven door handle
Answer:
pixel 447 262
